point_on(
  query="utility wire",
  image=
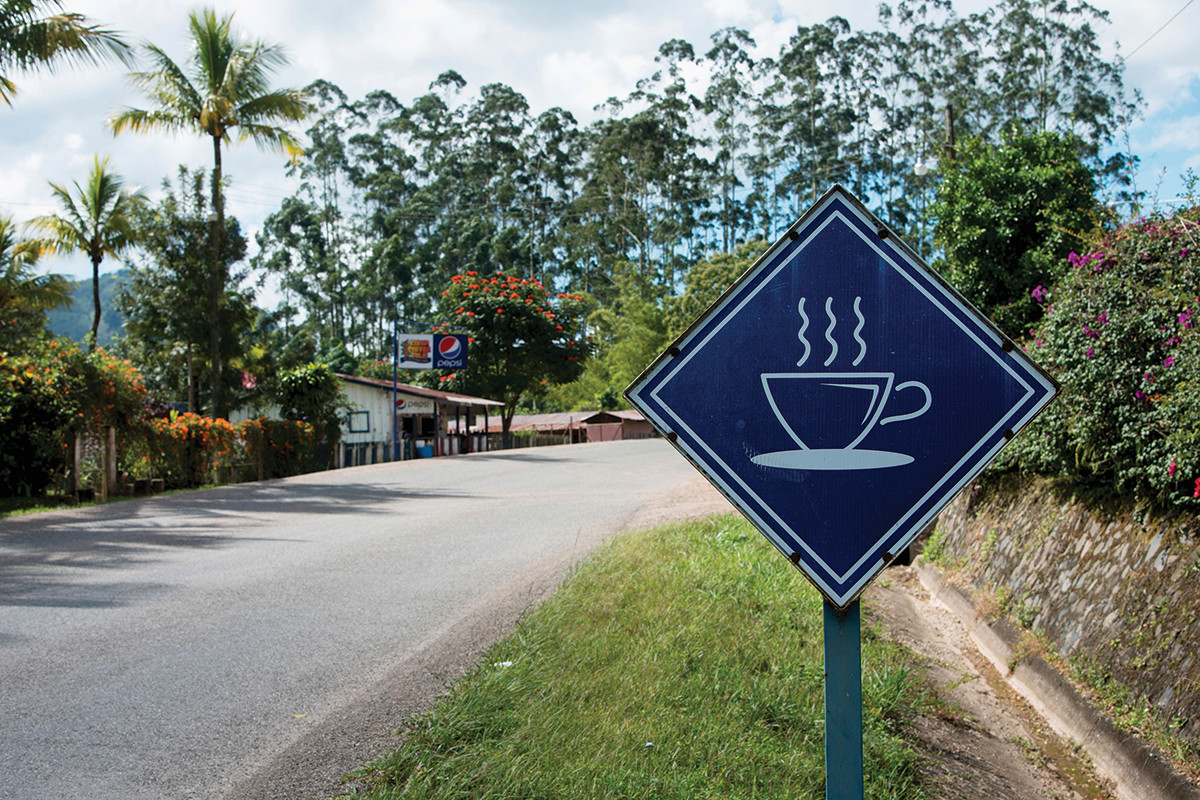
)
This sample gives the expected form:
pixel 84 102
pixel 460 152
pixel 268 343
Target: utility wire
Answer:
pixel 1160 30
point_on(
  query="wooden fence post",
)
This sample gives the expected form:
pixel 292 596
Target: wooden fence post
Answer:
pixel 109 443
pixel 76 463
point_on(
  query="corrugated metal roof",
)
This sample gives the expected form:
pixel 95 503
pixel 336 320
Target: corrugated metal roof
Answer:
pixel 445 397
pixel 552 422
pixel 543 423
pixel 620 415
pixel 548 422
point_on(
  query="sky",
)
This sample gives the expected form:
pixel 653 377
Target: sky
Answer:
pixel 569 53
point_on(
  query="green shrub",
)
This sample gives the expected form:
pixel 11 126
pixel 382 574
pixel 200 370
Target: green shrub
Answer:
pixel 37 405
pixel 50 393
pixel 279 448
pixel 312 394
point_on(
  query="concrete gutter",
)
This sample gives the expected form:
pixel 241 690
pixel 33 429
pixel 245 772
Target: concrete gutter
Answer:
pixel 1136 769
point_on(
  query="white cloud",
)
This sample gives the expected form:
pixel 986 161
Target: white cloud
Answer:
pixel 1180 133
pixel 733 12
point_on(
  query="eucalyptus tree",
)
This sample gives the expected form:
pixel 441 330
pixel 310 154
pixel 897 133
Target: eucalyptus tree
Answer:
pixel 555 150
pixel 381 269
pixel 406 161
pixel 426 137
pixel 96 220
pixel 1020 65
pixel 293 245
pixel 640 201
pixel 312 243
pixel 222 91
pixel 647 182
pixel 482 224
pixel 1048 73
pixel 815 114
pixel 912 98
pixel 727 101
pixel 762 199
pixel 39 34
pixel 679 229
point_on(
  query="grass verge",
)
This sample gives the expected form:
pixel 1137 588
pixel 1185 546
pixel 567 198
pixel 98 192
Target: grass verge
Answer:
pixel 680 662
pixel 16 506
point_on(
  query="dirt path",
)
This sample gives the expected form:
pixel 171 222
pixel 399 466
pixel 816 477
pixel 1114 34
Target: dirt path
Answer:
pixel 988 743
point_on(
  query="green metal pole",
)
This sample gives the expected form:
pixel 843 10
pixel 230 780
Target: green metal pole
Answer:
pixel 843 703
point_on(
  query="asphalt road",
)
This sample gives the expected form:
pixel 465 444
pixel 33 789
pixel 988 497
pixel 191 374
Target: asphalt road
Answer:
pixel 219 643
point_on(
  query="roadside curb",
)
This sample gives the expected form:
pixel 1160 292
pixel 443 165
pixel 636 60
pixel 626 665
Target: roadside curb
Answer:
pixel 1133 766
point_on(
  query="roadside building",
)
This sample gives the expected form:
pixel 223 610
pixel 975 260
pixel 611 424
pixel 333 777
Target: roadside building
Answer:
pixel 571 427
pixel 427 421
pixel 609 426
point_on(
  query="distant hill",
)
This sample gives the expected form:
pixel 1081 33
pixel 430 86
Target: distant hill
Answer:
pixel 76 322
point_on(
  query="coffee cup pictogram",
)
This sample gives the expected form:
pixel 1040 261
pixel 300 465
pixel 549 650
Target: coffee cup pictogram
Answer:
pixel 829 414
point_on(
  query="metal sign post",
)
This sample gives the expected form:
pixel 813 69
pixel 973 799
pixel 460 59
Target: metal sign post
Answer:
pixel 843 703
pixel 840 394
pixel 395 384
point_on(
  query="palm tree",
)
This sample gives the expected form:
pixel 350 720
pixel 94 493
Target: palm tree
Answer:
pixel 96 220
pixel 38 33
pixel 24 295
pixel 224 91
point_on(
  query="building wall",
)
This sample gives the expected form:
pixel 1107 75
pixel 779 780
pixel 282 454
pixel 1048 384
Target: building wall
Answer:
pixel 638 429
pixel 606 432
pixel 369 409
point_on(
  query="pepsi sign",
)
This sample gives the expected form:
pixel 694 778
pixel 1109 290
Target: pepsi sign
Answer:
pixel 840 394
pixel 431 351
pixel 449 351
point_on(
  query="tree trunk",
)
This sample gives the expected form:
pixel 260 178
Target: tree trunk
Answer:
pixel 95 302
pixel 191 378
pixel 216 283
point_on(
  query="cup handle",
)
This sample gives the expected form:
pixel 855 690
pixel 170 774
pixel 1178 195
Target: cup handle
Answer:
pixel 914 414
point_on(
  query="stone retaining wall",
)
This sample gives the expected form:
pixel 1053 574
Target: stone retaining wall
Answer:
pixel 1120 593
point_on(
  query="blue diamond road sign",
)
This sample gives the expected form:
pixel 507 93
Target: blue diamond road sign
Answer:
pixel 840 395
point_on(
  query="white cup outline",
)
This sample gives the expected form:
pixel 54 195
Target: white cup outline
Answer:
pixel 874 410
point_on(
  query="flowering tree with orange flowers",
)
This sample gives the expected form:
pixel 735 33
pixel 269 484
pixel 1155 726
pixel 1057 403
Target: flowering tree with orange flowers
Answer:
pixel 522 336
pixel 48 394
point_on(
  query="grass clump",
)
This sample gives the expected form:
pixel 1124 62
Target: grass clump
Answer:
pixel 681 662
pixel 1136 715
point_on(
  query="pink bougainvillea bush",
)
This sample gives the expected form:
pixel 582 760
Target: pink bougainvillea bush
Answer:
pixel 1122 335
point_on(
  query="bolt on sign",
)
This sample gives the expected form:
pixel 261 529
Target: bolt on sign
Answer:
pixel 840 394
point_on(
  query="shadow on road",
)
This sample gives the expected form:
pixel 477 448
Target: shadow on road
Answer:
pixel 51 559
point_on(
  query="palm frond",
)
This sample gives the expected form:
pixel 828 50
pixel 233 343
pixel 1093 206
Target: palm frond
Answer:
pixel 38 34
pixel 141 121
pixel 225 92
pixel 286 105
pixel 95 218
pixel 167 84
pixel 20 288
pixel 15 252
pixel 271 137
pixel 212 47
